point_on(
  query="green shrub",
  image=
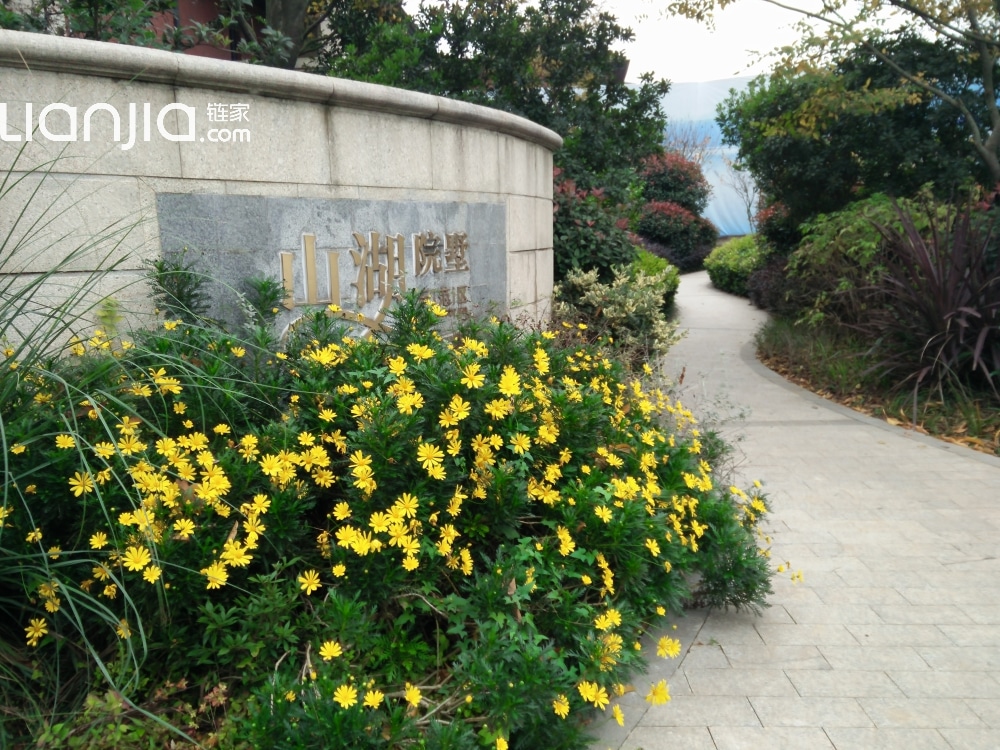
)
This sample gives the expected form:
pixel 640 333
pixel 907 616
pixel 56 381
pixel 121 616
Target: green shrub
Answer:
pixel 653 266
pixel 388 540
pixel 734 574
pixel 730 264
pixel 842 257
pixel 770 288
pixel 179 290
pixel 839 257
pixel 777 229
pixel 589 231
pixel 686 237
pixel 915 279
pixel 628 314
pixel 831 268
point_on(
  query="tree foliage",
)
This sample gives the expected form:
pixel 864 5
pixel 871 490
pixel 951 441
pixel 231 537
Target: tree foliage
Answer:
pixel 816 141
pixel 970 27
pixel 121 21
pixel 279 33
pixel 587 232
pixel 552 62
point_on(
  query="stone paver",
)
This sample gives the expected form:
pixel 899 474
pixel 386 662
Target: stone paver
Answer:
pixel 893 638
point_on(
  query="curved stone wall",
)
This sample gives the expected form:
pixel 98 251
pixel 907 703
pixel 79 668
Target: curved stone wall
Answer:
pixel 344 190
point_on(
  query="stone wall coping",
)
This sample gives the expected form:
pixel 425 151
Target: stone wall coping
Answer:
pixel 31 51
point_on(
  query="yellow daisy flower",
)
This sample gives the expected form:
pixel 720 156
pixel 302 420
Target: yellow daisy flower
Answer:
pixel 309 581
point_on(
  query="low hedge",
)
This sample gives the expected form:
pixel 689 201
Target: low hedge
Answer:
pixel 730 265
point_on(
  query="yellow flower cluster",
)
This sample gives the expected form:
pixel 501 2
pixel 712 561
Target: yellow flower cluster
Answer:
pixel 594 693
pixel 408 457
pixel 330 355
pixel 49 592
pixel 37 627
pixel 176 484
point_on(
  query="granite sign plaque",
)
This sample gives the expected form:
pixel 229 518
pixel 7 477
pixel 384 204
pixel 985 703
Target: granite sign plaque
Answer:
pixel 351 253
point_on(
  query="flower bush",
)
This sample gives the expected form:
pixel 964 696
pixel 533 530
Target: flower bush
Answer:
pixel 453 541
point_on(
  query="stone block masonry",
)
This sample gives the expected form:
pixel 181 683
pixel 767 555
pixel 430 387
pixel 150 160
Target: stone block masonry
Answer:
pixel 340 189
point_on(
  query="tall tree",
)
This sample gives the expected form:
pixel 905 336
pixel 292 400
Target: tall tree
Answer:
pixel 553 62
pixel 972 26
pixel 816 141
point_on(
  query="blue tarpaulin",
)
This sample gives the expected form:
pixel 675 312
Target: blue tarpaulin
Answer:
pixel 690 108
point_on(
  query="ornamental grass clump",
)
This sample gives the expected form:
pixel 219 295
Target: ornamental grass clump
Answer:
pixel 936 305
pixel 397 540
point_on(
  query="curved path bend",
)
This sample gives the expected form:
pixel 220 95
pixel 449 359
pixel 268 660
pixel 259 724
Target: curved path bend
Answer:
pixel 892 640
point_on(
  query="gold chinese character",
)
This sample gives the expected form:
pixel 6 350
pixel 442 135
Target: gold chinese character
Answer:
pixel 426 253
pixel 456 246
pixel 462 302
pixel 375 278
pixel 310 275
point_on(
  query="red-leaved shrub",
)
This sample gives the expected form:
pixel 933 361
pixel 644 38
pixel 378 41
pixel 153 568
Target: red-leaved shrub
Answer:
pixel 685 238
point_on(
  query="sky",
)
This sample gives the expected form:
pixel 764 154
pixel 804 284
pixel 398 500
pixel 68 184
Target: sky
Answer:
pixel 685 51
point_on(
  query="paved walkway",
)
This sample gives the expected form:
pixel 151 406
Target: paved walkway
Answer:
pixel 893 638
